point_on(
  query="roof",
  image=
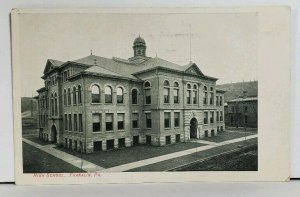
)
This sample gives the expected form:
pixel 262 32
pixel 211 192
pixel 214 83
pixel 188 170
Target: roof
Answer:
pixel 243 99
pixel 139 40
pixel 128 69
pixel 221 91
pixel 56 62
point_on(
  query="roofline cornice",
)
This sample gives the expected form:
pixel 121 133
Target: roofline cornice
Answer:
pixel 175 71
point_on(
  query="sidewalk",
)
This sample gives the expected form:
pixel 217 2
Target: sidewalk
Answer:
pixel 75 161
pixel 153 160
pixel 91 167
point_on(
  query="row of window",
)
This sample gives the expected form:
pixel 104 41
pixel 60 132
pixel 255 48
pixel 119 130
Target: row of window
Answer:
pixel 237 109
pixel 219 117
pixel 73 122
pixel 96 95
pixel 77 96
pixel 43 120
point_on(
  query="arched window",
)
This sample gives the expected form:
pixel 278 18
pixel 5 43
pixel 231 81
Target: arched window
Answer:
pixel 188 94
pixel 205 95
pixel 95 94
pixel 108 94
pixel 147 84
pixel 147 90
pixel 120 95
pixel 195 94
pixel 69 96
pixel 211 99
pixel 166 92
pixel 134 96
pixel 55 105
pixel 176 92
pixel 79 95
pixel 65 97
pixel 74 96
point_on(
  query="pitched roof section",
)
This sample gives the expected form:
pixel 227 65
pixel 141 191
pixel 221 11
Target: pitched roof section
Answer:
pixel 51 64
pixel 124 68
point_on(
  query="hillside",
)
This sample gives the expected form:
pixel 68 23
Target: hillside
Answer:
pixel 28 104
pixel 235 90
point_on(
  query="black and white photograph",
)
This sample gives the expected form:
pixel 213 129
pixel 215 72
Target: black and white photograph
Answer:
pixel 113 92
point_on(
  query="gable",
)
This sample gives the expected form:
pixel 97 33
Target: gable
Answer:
pixel 52 64
pixel 194 69
pixel 48 67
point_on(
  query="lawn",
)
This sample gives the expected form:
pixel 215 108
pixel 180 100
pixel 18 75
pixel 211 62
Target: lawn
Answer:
pixel 37 161
pixel 225 135
pixel 117 157
pixel 172 164
pixel 243 160
pixel 36 140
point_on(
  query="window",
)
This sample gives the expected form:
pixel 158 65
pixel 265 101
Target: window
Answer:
pixel 166 92
pixel 195 94
pixel 121 142
pixel 205 117
pixel 217 100
pixel 96 122
pixel 134 96
pixel 176 119
pixel 79 95
pixel 245 109
pixel 176 93
pixel 55 105
pixel 167 119
pixel 168 139
pixel 147 89
pixel 211 117
pixel 221 116
pixel 148 121
pixel 108 94
pixel 95 94
pixel 246 120
pixel 69 96
pixel 75 122
pixel 135 120
pixel 177 138
pixel 205 96
pixel 211 100
pixel 80 122
pixel 65 97
pixel 188 98
pixel 120 95
pixel 109 122
pixel 52 105
pixel 70 122
pixel 221 102
pixel 74 96
pixel 217 116
pixel 121 119
pixel 66 122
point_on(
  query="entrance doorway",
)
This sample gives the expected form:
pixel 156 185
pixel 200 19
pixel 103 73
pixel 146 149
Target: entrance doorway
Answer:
pixel 53 134
pixel 193 128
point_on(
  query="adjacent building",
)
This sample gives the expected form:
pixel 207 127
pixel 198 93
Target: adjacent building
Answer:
pixel 241 112
pixel 96 103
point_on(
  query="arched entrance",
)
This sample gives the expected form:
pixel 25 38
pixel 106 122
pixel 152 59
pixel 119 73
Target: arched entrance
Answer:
pixel 193 128
pixel 53 134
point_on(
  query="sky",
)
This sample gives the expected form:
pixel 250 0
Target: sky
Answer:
pixel 222 45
